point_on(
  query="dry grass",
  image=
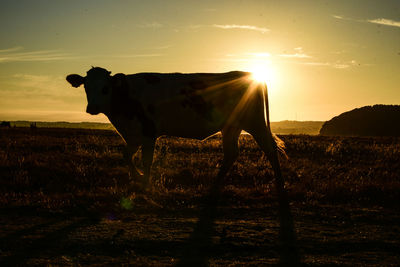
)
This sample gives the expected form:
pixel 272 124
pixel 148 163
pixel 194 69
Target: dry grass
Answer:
pixel 49 163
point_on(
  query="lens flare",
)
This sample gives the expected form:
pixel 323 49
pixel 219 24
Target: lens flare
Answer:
pixel 261 73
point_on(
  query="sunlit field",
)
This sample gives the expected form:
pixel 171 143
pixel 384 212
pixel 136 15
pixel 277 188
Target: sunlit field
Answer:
pixel 66 199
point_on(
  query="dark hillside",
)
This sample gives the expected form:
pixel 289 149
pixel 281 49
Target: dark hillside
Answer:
pixel 377 120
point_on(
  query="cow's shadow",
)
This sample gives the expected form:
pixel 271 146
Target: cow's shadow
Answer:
pixel 199 247
pixel 195 251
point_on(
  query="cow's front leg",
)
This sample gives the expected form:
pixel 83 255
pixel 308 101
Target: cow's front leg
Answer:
pixel 147 158
pixel 128 152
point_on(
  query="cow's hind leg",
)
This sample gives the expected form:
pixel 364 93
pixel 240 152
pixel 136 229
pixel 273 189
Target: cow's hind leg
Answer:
pixel 289 253
pixel 267 143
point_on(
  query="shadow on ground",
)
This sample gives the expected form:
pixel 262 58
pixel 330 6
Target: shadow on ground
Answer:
pixel 218 236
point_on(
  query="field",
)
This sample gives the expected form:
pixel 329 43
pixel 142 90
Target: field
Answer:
pixel 66 199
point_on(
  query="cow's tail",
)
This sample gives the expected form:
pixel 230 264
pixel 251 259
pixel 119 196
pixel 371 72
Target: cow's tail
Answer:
pixel 280 145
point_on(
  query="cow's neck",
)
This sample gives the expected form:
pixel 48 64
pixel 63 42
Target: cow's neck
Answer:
pixel 129 129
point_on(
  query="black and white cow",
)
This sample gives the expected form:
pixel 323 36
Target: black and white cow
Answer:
pixel 144 106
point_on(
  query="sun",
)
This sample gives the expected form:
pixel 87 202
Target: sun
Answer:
pixel 261 72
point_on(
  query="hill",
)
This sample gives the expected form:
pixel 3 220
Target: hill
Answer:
pixel 377 120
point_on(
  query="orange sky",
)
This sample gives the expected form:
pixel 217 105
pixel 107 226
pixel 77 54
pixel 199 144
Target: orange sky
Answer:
pixel 322 57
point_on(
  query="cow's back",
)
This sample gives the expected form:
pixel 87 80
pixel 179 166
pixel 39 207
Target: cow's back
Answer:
pixel 189 105
pixel 173 84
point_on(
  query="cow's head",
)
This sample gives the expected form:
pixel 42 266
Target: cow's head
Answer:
pixel 99 87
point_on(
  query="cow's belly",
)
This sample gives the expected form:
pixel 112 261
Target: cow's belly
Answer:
pixel 186 122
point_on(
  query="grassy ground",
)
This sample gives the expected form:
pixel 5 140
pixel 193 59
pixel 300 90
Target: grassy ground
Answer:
pixel 65 200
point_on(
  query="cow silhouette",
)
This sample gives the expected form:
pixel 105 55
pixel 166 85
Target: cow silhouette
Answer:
pixel 145 106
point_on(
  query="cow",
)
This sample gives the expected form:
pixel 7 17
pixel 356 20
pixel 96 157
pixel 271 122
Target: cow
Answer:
pixel 145 106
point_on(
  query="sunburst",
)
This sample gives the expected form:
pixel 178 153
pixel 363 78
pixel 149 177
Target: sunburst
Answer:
pixel 261 72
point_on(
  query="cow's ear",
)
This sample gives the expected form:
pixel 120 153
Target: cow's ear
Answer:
pixel 119 81
pixel 75 80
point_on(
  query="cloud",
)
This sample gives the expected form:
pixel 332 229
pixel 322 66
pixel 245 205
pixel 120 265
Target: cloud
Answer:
pixel 337 17
pixel 380 21
pixel 336 65
pixel 12 49
pixel 340 66
pixel 344 18
pixel 15 54
pixel 298 54
pixel 386 22
pixel 316 63
pixel 227 27
pixel 243 27
pixel 327 64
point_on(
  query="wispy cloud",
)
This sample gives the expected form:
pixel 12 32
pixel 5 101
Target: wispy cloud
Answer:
pixel 386 22
pixel 242 27
pixel 336 65
pixel 16 54
pixel 345 18
pixel 296 55
pixel 226 27
pixel 316 63
pixel 380 21
pixel 12 49
pixel 299 53
pixel 338 17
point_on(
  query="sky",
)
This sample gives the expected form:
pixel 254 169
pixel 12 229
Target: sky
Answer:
pixel 322 57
